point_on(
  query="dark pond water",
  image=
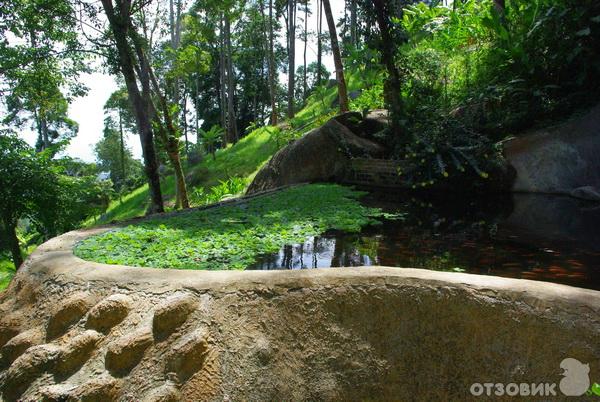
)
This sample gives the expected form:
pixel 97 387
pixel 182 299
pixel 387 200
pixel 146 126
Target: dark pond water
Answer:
pixel 546 238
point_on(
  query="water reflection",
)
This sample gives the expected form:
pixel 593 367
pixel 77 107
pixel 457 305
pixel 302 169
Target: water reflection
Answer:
pixel 545 238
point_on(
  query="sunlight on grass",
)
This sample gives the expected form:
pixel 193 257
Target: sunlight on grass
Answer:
pixel 232 236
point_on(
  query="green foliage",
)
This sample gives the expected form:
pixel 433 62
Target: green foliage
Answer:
pixel 211 139
pixel 472 77
pixel 369 99
pixel 226 189
pixel 126 172
pixel 232 236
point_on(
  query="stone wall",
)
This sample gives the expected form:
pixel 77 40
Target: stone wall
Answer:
pixel 374 172
pixel 76 330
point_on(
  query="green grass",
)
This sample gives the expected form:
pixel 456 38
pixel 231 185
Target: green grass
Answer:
pixel 240 160
pixel 243 159
pixel 7 271
pixel 7 268
pixel 232 236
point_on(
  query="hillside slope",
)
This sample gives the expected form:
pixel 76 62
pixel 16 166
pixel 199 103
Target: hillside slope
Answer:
pixel 242 160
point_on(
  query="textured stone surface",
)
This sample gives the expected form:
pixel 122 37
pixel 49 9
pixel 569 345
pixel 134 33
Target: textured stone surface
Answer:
pixel 19 344
pixel 331 334
pixel 558 159
pixel 67 314
pixel 171 314
pixel 76 353
pixel 321 155
pixel 108 313
pixel 124 354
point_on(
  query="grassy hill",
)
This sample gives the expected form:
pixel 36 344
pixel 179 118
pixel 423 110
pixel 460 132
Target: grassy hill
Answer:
pixel 242 160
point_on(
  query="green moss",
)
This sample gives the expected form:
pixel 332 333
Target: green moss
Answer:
pixel 232 236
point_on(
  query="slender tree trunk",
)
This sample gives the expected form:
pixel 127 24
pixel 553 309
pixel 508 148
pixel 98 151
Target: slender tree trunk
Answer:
pixel 319 40
pixel 122 150
pixel 500 6
pixel 337 58
pixel 171 141
pixel 353 23
pixel 184 122
pixel 197 106
pixel 291 57
pixel 231 118
pixel 304 86
pixel 272 78
pixel 119 26
pixel 45 137
pixel 393 83
pixel 222 87
pixel 168 133
pixel 10 229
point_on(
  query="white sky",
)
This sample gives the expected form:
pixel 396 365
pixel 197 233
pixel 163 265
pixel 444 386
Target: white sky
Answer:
pixel 89 113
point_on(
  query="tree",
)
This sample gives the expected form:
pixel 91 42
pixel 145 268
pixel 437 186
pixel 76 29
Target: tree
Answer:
pixel 272 68
pixel 291 44
pixel 113 156
pixel 387 45
pixel 120 24
pixel 40 58
pixel 337 58
pixel 26 179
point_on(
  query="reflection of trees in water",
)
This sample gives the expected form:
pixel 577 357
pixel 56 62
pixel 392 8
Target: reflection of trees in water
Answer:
pixel 466 236
pixel 320 252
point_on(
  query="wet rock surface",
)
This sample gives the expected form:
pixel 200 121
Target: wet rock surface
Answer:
pixel 351 334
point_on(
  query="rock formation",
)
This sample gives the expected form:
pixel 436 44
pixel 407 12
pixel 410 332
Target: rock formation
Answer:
pixel 321 155
pixel 562 159
pixel 79 331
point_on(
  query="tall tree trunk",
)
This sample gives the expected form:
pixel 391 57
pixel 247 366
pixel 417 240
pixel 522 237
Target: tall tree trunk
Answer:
pixel 44 127
pixel 231 118
pixel 337 58
pixel 319 40
pixel 122 151
pixel 291 57
pixel 500 6
pixel 169 134
pixel 10 229
pixel 392 91
pixel 171 142
pixel 184 121
pixel 119 24
pixel 222 86
pixel 353 23
pixel 272 78
pixel 304 86
pixel 197 107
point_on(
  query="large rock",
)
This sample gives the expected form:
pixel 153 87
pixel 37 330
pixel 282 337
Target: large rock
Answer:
pixel 563 159
pixel 333 334
pixel 321 155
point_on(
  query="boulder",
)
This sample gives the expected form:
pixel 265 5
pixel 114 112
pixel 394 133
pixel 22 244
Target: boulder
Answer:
pixel 321 155
pixel 559 159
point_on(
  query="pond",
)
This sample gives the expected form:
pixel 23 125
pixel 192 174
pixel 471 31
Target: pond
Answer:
pixel 540 237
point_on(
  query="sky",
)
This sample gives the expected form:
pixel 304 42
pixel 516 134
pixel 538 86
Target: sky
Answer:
pixel 89 113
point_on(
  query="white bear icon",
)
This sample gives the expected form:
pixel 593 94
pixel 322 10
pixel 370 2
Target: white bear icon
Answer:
pixel 576 379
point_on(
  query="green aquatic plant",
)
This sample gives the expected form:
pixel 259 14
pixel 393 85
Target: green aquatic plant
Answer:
pixel 233 236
